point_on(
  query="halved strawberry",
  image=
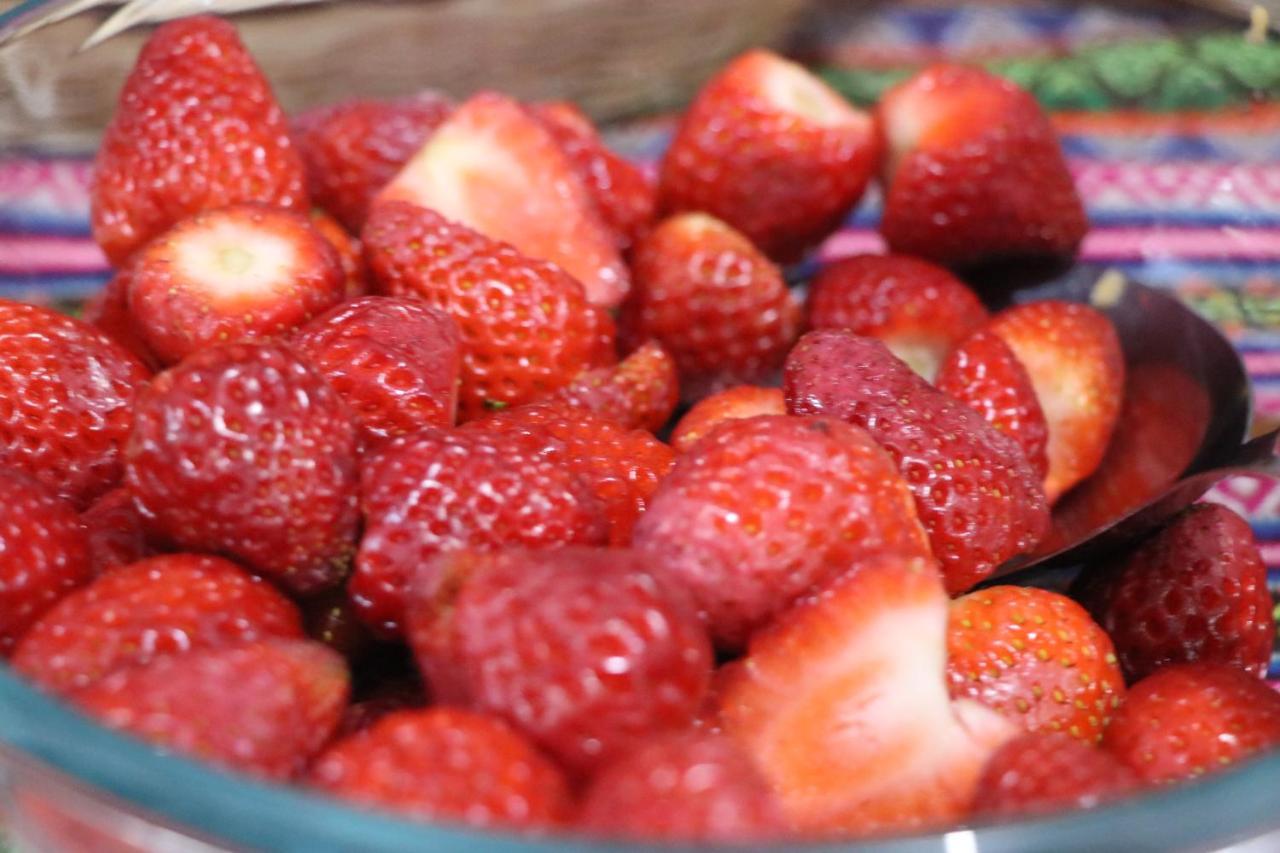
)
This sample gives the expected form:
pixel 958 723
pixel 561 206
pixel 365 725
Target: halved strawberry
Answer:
pixel 843 706
pixel 640 392
pixel 740 401
pixel 224 275
pixel 773 151
pixel 1072 354
pixel 495 168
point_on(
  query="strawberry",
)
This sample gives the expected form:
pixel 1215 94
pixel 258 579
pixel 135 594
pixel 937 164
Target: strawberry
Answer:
pixel 715 303
pixel 196 127
pixel 68 394
pixel 740 401
pixel 686 787
pixel 245 271
pixel 244 450
pixel 1073 356
pixel 624 195
pixel 494 167
pixel 975 172
pixel 640 392
pixel 117 532
pixel 975 492
pixel 622 467
pixel 44 553
pixel 773 151
pixel 352 149
pixel 1042 772
pixel 766 509
pixel 1036 657
pixel 108 309
pixel 350 253
pixel 983 373
pixel 439 490
pixel 395 363
pixel 919 310
pixel 842 704
pixel 1195 591
pixel 580 648
pixel 446 764
pixel 147 610
pixel 526 326
pixel 263 708
pixel 1186 720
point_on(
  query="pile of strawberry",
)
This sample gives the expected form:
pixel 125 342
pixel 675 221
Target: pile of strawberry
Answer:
pixel 343 481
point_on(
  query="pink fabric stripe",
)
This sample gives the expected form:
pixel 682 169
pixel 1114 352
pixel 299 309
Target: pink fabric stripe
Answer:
pixel 29 254
pixel 1154 244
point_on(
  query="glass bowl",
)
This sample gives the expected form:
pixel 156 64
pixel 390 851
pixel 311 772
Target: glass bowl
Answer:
pixel 67 784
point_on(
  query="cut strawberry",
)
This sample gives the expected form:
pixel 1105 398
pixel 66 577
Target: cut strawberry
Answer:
pixel 238 272
pixel 843 706
pixel 495 168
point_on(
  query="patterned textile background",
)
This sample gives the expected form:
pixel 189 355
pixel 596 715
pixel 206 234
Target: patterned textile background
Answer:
pixel 1173 131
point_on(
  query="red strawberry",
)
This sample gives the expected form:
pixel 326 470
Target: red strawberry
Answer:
pixel 155 608
pixel 263 708
pixel 352 149
pixel 108 309
pixel 1073 356
pixel 44 554
pixel 919 310
pixel 975 492
pixel 68 394
pixel 495 168
pixel 715 303
pixel 1189 719
pixel 622 467
pixel 238 272
pixel 625 196
pixel 246 451
pixel 526 327
pixel 580 648
pixel 1195 591
pixel 983 373
pixel 773 151
pixel 438 490
pixel 1036 657
pixel 843 706
pixel 975 172
pixel 1040 772
pixel 196 128
pixel 117 532
pixel 766 509
pixel 687 787
pixel 395 363
pixel 640 392
pixel 740 401
pixel 350 253
pixel 446 764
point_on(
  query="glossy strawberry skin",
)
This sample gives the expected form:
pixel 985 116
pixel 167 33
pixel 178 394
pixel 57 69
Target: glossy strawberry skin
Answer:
pixel 117 532
pixel 766 509
pixel 526 327
pixel 712 300
pixel 1040 772
pixel 740 401
pixel 1186 720
pixel 246 451
pixel 352 149
pixel 68 391
pixel 262 708
pixel 582 649
pixel 148 610
pixel 684 787
pixel 350 253
pixel 196 128
pixel 108 310
pixel 639 392
pixel 439 490
pixel 780 174
pixel 975 172
pixel 1195 591
pixel 976 495
pixel 394 362
pixel 446 764
pixel 44 554
pixel 1036 657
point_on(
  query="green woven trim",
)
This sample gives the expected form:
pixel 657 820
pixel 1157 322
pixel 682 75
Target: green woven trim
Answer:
pixel 1203 73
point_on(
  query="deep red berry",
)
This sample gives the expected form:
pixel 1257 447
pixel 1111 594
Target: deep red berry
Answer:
pixel 350 253
pixel 640 392
pixel 117 532
pixel 1038 773
pixel 740 401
